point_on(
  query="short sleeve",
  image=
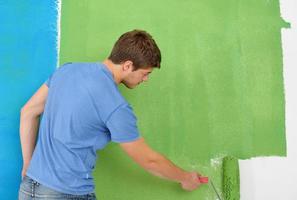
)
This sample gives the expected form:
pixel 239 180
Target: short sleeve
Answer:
pixel 122 124
pixel 48 81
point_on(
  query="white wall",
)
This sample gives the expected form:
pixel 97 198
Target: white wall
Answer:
pixel 275 178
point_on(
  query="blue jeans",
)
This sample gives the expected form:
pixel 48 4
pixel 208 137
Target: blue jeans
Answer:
pixel 32 190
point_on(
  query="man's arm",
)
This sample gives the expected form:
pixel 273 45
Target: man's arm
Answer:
pixel 29 122
pixel 159 165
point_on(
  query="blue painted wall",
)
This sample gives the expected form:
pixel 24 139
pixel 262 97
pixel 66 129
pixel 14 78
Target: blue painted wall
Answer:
pixel 28 55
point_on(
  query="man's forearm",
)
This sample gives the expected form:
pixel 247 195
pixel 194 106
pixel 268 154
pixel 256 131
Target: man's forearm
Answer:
pixel 28 131
pixel 164 168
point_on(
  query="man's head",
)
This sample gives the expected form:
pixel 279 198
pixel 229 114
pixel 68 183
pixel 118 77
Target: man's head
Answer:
pixel 138 54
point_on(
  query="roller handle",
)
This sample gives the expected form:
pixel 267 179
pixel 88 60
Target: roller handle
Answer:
pixel 203 179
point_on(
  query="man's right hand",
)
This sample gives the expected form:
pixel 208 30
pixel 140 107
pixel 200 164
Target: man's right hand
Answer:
pixel 191 181
pixel 24 170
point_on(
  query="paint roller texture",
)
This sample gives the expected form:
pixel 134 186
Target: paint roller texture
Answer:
pixel 231 178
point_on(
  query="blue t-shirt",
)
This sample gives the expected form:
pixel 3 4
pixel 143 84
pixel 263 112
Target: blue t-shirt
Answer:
pixel 84 111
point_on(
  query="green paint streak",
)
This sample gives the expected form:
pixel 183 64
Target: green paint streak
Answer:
pixel 219 91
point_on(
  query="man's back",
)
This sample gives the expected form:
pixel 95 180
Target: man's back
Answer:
pixel 80 115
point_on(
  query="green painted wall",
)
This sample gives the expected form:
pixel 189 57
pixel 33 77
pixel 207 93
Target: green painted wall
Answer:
pixel 219 90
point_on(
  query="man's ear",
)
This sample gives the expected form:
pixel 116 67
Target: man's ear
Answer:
pixel 127 65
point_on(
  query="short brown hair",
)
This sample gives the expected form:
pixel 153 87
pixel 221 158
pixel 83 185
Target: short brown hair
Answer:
pixel 137 46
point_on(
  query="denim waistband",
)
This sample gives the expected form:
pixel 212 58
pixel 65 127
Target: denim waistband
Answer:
pixel 31 189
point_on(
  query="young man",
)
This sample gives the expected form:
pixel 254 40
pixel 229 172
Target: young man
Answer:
pixel 82 111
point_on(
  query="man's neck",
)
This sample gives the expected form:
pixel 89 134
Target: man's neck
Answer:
pixel 114 69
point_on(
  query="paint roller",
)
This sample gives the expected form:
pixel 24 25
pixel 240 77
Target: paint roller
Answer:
pixel 231 188
pixel 230 179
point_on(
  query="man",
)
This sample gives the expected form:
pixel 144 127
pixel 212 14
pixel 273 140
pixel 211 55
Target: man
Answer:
pixel 83 111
